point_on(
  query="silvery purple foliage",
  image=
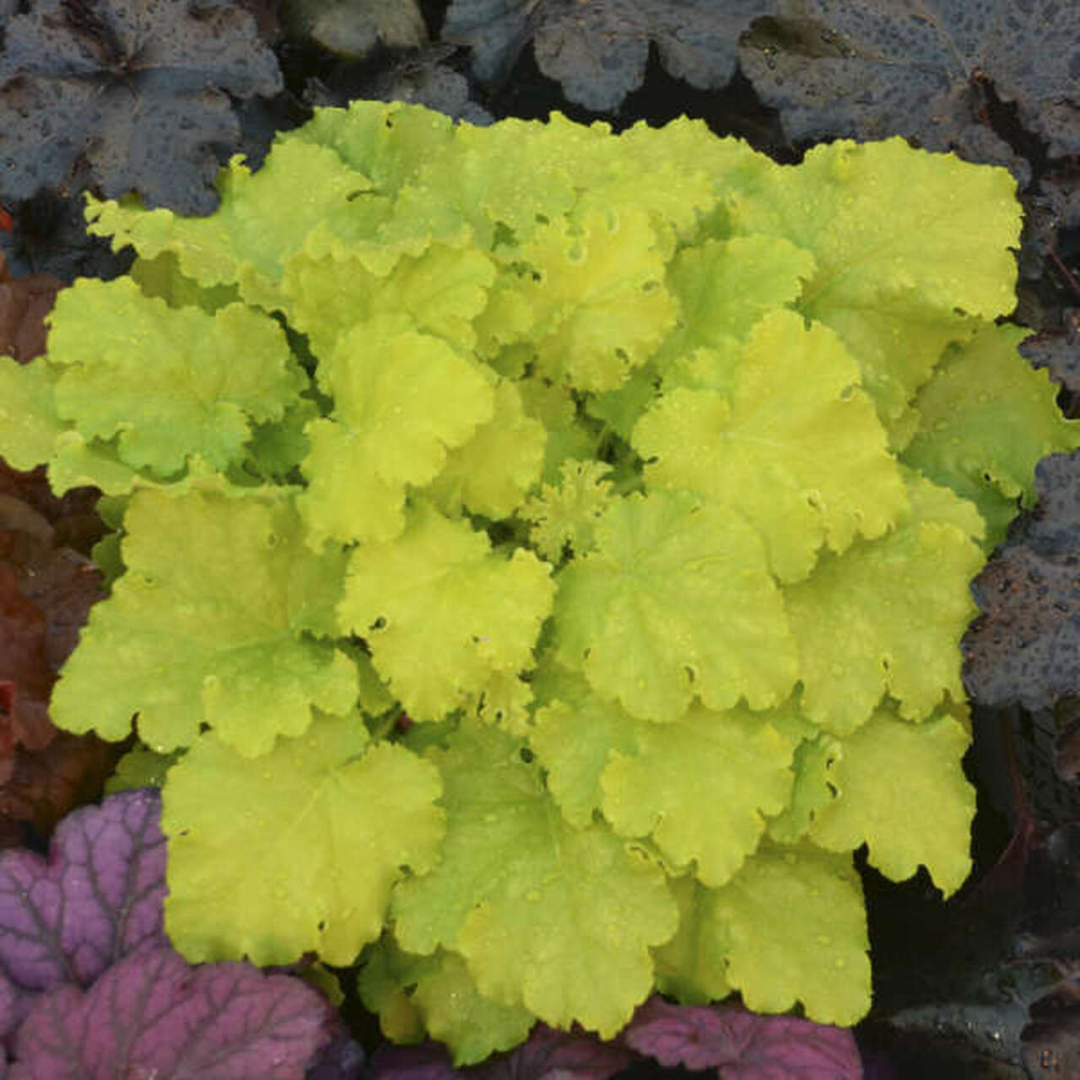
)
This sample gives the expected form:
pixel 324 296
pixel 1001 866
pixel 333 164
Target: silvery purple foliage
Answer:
pixel 742 1045
pixel 90 988
pixel 154 1015
pixel 97 898
pixel 739 1045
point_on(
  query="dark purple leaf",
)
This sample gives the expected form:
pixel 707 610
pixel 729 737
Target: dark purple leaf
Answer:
pixel 1051 1042
pixel 153 1015
pixel 339 1059
pixel 558 1055
pixel 742 1045
pixel 555 1055
pixel 139 89
pixel 96 899
pixel 867 69
pixel 1058 350
pixel 428 1061
pixel 598 51
pixel 1025 647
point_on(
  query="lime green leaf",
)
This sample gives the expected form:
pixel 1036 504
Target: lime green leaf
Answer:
pixel 456 1013
pixel 484 176
pixel 453 1011
pixel 568 438
pixel 954 252
pixel 402 399
pixel 730 164
pixel 692 966
pixel 393 145
pixel 936 502
pixel 797 928
pixel 506 701
pixel 491 473
pixel 78 463
pixel 922 815
pixel 567 513
pixel 573 738
pixel 161 276
pixel 29 425
pixel 278 447
pixel 299 849
pixel 383 982
pixel 987 418
pixel 387 142
pixel 897 347
pixel 171 382
pixel 700 787
pixel 908 291
pixel 205 627
pixel 724 287
pixel 675 601
pixel 887 615
pixel 552 917
pixel 797 448
pixel 325 981
pixel 440 291
pixel 813 788
pixel 621 409
pixel 375 696
pixel 598 296
pixel 141 767
pixel 444 615
pixel 262 217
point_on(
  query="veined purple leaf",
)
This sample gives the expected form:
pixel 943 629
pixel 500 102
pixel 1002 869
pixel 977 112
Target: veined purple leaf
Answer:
pixel 742 1045
pixel 154 1015
pixel 97 898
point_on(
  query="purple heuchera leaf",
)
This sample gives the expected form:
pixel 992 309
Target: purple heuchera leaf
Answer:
pixel 742 1045
pixel 427 1061
pixel 546 1055
pixel 85 960
pixel 559 1055
pixel 97 898
pixel 152 1014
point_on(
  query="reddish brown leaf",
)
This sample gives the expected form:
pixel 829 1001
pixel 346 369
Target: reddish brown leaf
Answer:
pixel 24 303
pixel 25 678
pixel 47 784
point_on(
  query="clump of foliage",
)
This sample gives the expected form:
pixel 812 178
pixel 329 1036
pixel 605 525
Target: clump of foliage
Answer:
pixel 646 476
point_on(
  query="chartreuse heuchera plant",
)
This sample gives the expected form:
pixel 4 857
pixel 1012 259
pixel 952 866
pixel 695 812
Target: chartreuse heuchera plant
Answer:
pixel 645 476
